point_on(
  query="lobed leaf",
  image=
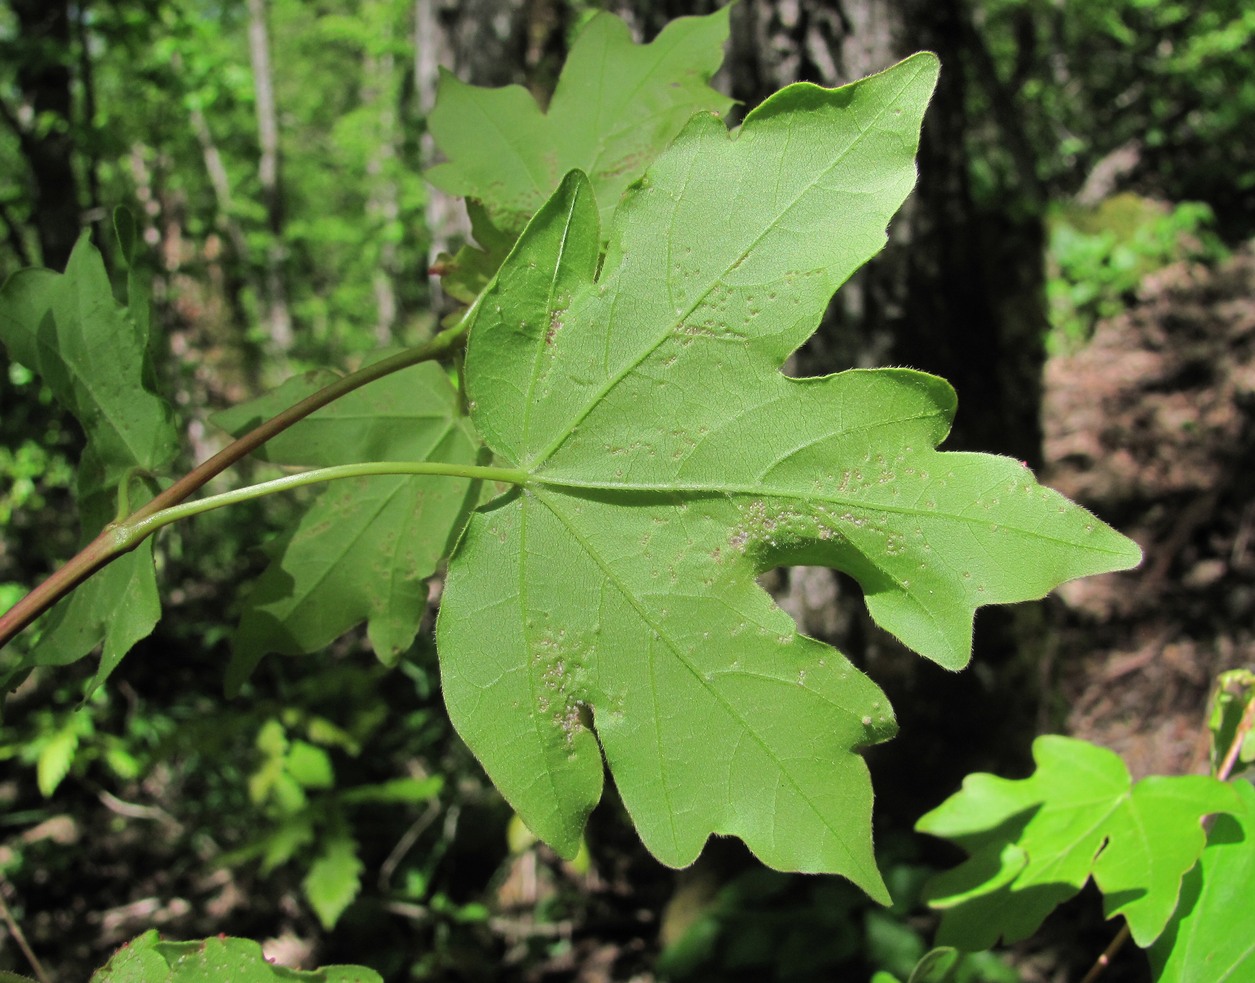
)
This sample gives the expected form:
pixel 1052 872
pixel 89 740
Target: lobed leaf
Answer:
pixel 609 608
pixel 334 880
pixel 56 757
pixel 93 355
pixel 616 106
pixel 1035 842
pixel 398 417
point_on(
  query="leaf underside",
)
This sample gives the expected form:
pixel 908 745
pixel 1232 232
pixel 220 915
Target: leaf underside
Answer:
pixel 616 106
pixel 609 608
pixel 1035 842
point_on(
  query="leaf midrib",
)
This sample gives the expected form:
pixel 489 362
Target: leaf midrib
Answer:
pixel 760 491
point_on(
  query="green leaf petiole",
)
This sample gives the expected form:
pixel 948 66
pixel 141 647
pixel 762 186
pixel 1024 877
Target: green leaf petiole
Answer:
pixel 128 535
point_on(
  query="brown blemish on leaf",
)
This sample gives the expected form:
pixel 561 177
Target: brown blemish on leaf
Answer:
pixel 555 325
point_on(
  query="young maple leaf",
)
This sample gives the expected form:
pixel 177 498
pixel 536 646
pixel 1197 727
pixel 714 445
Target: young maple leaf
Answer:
pixel 363 550
pixel 1209 936
pixel 616 107
pixel 609 606
pixel 1035 842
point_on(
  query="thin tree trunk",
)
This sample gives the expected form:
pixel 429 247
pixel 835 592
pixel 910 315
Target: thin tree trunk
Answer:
pixel 383 206
pixel 43 80
pixel 444 215
pixel 278 315
pixel 220 181
pixel 235 273
pixel 87 79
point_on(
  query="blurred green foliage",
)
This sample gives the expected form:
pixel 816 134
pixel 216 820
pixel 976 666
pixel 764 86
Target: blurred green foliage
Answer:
pixel 1098 256
pixel 1169 85
pixel 763 925
pixel 165 104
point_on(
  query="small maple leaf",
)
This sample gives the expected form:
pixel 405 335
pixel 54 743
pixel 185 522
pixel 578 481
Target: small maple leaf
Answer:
pixel 1036 841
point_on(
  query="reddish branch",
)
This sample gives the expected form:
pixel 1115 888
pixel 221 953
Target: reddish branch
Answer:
pixel 105 547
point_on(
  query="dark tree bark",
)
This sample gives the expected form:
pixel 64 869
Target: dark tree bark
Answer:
pixel 974 291
pixel 43 81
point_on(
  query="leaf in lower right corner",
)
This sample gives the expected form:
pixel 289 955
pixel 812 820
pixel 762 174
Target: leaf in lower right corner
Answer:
pixel 1211 938
pixel 1034 843
pixel 1233 694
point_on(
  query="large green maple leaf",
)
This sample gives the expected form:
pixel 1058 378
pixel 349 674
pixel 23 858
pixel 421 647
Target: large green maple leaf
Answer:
pixel 609 606
pixel 1035 842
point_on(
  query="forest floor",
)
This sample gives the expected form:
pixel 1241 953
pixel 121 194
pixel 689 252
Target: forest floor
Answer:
pixel 1152 425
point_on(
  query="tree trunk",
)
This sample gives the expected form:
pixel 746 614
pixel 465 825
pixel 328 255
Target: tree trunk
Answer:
pixel 974 293
pixel 90 140
pixel 44 124
pixel 278 316
pixel 383 206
